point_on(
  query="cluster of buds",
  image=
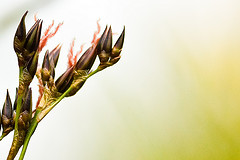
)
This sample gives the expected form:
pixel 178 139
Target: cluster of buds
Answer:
pixel 26 48
pixel 9 113
pixel 19 116
pixel 75 76
pixel 108 56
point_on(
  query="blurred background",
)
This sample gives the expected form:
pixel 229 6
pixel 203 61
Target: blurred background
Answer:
pixel 174 95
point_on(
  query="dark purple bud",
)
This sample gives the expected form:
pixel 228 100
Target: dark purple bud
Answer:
pixel 65 80
pixel 52 67
pixel 87 59
pixel 33 37
pixel 118 45
pixel 26 111
pixel 20 35
pixel 7 107
pixel 106 49
pixel 46 67
pixel 32 64
pixel 54 54
pixel 107 44
pixel 7 115
pixel 101 41
pixel 27 104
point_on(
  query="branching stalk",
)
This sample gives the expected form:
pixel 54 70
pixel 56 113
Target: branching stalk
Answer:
pixel 40 114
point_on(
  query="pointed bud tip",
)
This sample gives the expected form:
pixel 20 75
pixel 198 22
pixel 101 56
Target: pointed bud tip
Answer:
pixel 107 45
pixel 102 39
pixel 119 43
pixel 7 107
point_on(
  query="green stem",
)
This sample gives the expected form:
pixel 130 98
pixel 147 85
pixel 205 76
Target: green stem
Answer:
pixel 30 132
pixel 15 143
pixel 46 110
pixel 19 101
pixel 40 114
pixel 3 135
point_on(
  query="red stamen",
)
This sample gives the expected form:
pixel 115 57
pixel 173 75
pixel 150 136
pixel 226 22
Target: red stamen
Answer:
pixel 96 32
pixel 78 53
pixel 48 29
pixel 35 17
pixel 72 60
pixel 47 35
pixel 70 54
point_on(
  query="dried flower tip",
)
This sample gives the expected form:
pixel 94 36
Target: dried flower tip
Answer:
pixel 118 45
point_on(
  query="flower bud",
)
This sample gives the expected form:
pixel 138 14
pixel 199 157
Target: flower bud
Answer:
pixel 26 111
pixel 25 45
pixel 33 37
pixel 46 67
pixel 32 64
pixel 101 40
pixel 106 47
pixel 65 80
pixel 27 103
pixel 118 45
pixel 54 55
pixel 87 59
pixel 7 115
pixel 20 35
